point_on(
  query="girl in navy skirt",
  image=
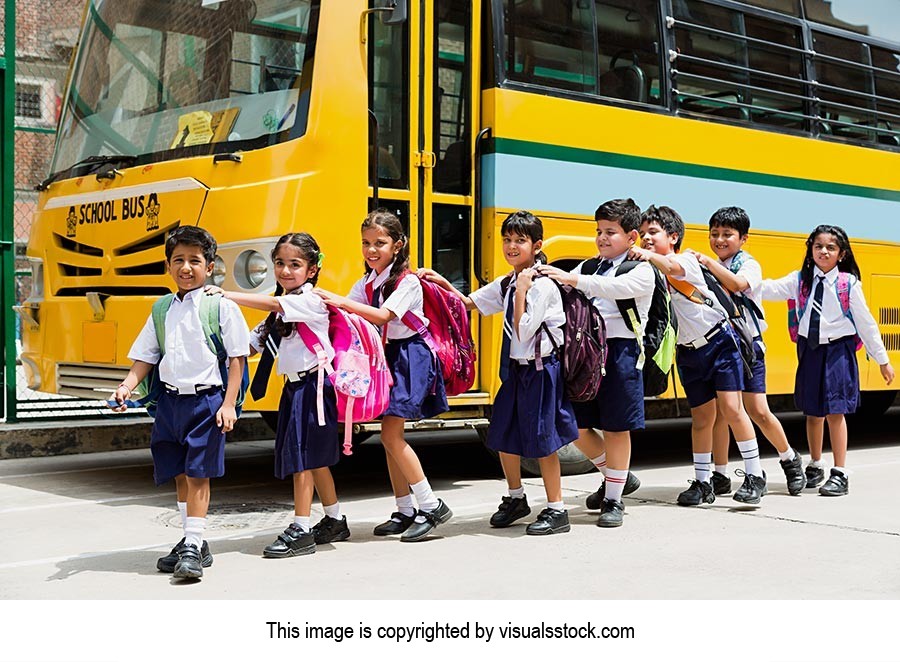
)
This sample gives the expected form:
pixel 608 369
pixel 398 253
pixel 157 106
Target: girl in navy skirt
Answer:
pixel 306 439
pixel 827 383
pixel 383 296
pixel 531 417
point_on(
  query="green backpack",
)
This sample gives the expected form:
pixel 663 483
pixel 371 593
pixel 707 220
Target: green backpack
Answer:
pixel 150 388
pixel 656 336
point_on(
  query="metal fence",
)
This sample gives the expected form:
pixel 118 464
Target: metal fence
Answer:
pixel 45 33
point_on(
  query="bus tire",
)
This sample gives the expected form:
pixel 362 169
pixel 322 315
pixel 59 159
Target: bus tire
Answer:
pixel 875 403
pixel 271 419
pixel 571 460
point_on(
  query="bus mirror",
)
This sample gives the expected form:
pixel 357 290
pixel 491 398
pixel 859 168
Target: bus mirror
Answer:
pixel 397 11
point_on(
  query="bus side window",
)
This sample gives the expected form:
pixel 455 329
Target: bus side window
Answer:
pixel 628 38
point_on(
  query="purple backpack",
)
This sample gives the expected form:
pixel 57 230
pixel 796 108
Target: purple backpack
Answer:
pixel 584 350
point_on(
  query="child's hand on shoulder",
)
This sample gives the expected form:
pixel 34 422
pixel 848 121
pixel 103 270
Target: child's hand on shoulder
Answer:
pixel 434 277
pixel 887 371
pixel 524 280
pixel 209 290
pixel 557 274
pixel 638 253
pixel 700 257
pixel 330 298
pixel 225 417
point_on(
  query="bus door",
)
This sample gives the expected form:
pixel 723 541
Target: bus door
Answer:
pixel 421 95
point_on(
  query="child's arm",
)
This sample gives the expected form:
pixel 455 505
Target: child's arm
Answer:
pixel 635 283
pixel 733 282
pixel 781 289
pixel 869 332
pixel 257 301
pixel 139 370
pixel 667 264
pixel 524 282
pixel 227 414
pixel 379 316
pixel 440 281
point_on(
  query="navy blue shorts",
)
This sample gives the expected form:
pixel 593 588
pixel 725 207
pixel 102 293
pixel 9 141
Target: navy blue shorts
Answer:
pixel 619 405
pixel 418 390
pixel 716 366
pixel 827 378
pixel 757 382
pixel 300 442
pixel 531 415
pixel 185 438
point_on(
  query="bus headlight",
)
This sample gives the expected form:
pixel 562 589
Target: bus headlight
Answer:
pixel 218 272
pixel 251 269
pixel 37 278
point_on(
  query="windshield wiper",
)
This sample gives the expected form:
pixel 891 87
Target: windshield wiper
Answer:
pixel 91 160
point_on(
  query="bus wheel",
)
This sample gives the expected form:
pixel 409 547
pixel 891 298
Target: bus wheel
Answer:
pixel 271 419
pixel 571 462
pixel 875 403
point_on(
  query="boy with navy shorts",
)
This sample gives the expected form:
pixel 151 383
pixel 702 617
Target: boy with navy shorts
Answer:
pixel 707 355
pixel 195 409
pixel 619 405
pixel 741 274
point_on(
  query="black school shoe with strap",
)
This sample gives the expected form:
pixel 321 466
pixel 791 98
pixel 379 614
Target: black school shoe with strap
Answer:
pixel 721 483
pixel 294 541
pixel 595 500
pixel 611 514
pixel 510 510
pixel 549 521
pixel 838 484
pixel 329 530
pixel 814 476
pixel 168 562
pixel 398 523
pixel 793 474
pixel 753 488
pixel 418 530
pixel 189 564
pixel 696 494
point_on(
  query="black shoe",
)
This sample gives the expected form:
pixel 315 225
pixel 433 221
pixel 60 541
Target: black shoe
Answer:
pixel 418 530
pixel 814 475
pixel 293 542
pixel 611 514
pixel 189 565
pixel 696 494
pixel 330 529
pixel 753 488
pixel 549 521
pixel 398 523
pixel 509 511
pixel 595 500
pixel 793 474
pixel 838 484
pixel 168 562
pixel 721 483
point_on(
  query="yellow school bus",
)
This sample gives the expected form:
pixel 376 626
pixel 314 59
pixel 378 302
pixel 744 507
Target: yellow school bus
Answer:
pixel 253 118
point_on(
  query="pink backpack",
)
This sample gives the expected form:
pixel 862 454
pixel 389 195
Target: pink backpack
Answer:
pixel 360 374
pixel 448 335
pixel 842 286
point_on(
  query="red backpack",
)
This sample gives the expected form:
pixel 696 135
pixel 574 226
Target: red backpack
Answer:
pixel 448 335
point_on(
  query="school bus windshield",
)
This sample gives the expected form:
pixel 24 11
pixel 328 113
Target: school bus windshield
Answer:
pixel 173 78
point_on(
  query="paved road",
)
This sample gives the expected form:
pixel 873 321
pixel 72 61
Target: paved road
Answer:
pixel 93 526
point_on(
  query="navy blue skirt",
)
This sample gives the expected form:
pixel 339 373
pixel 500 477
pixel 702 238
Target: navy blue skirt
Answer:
pixel 418 390
pixel 827 378
pixel 619 405
pixel 185 438
pixel 300 442
pixel 531 416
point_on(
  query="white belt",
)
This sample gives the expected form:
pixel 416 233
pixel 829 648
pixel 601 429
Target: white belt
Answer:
pixel 704 340
pixel 299 376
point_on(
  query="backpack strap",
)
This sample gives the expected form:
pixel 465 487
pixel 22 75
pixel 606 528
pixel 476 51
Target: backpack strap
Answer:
pixel 590 266
pixel 313 344
pixel 158 313
pixel 629 311
pixel 689 292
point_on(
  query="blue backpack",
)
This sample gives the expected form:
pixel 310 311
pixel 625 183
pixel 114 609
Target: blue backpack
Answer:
pixel 151 387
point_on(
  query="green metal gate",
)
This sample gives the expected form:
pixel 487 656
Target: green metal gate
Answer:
pixel 7 230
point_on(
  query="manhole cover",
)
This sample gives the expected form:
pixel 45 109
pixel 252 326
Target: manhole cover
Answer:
pixel 235 516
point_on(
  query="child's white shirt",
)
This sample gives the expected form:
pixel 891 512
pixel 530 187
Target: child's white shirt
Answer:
pixel 751 270
pixel 543 303
pixel 188 361
pixel 606 289
pixel 833 324
pixel 407 296
pixel 293 355
pixel 695 320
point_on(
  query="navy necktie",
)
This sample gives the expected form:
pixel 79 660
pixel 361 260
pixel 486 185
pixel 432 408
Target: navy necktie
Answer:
pixel 603 267
pixel 266 360
pixel 815 315
pixel 507 333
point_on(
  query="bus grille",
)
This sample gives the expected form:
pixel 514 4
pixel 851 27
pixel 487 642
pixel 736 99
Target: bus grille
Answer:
pixel 89 381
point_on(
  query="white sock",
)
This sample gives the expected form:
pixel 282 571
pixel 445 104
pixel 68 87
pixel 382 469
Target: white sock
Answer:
pixel 517 493
pixel 702 465
pixel 816 463
pixel 615 483
pixel 600 463
pixel 424 496
pixel 406 505
pixel 193 531
pixel 841 469
pixel 333 511
pixel 556 505
pixel 302 522
pixel 787 455
pixel 722 469
pixel 750 452
pixel 182 509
